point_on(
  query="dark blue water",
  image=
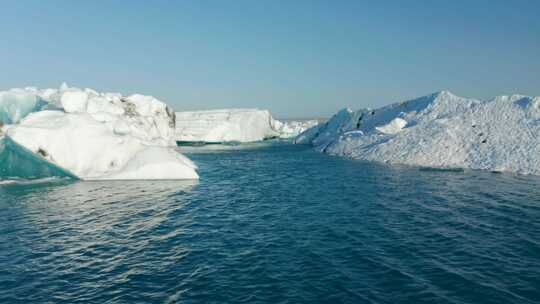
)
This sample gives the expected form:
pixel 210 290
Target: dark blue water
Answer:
pixel 274 224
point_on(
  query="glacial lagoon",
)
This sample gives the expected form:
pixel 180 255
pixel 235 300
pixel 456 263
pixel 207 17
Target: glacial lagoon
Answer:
pixel 274 222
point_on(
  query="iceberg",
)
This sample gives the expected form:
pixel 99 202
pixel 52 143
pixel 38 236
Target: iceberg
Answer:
pixel 440 130
pixel 227 125
pixel 90 135
pixel 234 125
pixel 293 128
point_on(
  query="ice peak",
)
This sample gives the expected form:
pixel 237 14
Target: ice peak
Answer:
pixel 444 93
pixel 345 110
pixel 64 86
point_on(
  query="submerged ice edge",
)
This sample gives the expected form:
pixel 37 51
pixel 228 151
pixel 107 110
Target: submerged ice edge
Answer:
pixel 16 161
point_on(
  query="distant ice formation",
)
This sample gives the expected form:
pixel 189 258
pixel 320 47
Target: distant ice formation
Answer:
pixel 440 130
pixel 234 125
pixel 227 125
pixel 88 135
pixel 293 128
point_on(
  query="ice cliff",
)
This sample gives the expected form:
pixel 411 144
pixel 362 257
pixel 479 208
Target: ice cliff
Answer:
pixel 234 125
pixel 440 130
pixel 89 135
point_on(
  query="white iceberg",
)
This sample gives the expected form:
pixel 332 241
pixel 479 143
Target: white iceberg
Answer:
pixel 293 128
pixel 227 125
pixel 439 130
pixel 234 125
pixel 92 136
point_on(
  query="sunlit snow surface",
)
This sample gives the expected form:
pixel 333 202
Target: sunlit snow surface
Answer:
pixel 91 135
pixel 439 130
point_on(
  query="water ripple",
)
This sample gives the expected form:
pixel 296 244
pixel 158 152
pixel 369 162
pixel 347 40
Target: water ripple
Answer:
pixel 274 223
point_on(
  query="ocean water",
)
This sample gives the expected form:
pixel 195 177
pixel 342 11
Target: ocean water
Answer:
pixel 274 223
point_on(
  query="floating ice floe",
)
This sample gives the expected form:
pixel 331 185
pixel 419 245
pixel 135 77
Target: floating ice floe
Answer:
pixel 88 135
pixel 234 125
pixel 439 130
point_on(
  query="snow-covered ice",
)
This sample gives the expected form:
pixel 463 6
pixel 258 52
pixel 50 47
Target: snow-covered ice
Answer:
pixel 227 125
pixel 438 130
pixel 92 135
pixel 393 127
pixel 292 128
pixel 234 125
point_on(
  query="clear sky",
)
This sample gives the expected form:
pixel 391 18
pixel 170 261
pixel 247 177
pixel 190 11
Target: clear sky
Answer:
pixel 296 58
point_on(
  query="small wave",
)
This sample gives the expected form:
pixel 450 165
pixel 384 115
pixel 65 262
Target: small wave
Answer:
pixel 228 146
pixel 7 182
pixel 22 181
pixel 441 169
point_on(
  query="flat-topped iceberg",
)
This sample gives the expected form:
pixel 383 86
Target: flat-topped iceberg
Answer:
pixel 227 125
pixel 234 125
pixel 440 130
pixel 90 135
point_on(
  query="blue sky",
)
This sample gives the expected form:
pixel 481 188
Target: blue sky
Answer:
pixel 296 58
